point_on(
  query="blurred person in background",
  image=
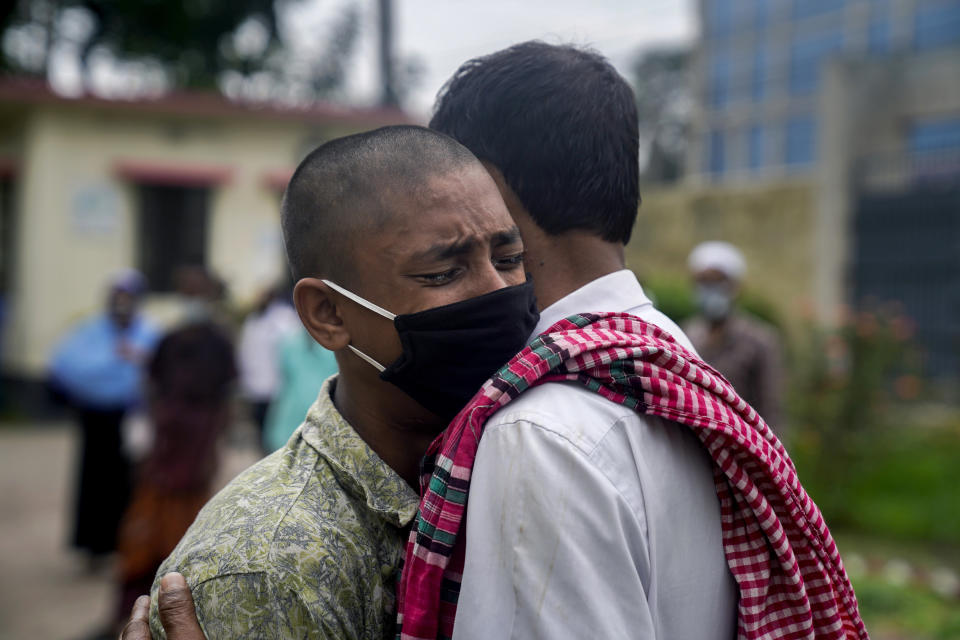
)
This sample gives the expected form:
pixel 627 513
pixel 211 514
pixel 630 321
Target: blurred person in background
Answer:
pixel 744 349
pixel 304 365
pixel 202 297
pixel 97 369
pixel 190 377
pixel 265 327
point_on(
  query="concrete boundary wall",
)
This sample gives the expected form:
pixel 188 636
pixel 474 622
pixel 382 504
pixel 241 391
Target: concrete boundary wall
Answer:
pixel 774 226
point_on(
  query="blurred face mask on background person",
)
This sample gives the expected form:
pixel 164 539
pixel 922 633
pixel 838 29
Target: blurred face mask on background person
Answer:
pixel 451 350
pixel 715 300
pixel 196 310
pixel 122 306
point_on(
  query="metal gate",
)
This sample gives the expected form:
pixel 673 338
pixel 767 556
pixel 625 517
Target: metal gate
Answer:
pixel 906 248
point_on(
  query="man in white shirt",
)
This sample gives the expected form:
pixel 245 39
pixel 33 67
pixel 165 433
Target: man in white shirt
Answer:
pixel 258 355
pixel 585 519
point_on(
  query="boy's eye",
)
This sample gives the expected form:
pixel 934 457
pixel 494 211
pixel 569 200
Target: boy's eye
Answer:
pixel 438 278
pixel 510 261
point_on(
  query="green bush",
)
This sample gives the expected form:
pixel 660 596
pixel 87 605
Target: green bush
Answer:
pixel 894 482
pixel 868 469
pixel 675 297
pixel 906 611
pixel 672 296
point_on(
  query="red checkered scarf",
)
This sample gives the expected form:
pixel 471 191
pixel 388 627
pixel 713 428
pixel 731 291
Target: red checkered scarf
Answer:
pixel 791 579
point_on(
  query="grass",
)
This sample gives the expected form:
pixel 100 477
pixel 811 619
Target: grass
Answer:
pixel 896 483
pixel 892 497
pixel 908 611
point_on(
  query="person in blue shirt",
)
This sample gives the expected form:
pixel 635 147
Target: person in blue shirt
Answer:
pixel 304 365
pixel 97 368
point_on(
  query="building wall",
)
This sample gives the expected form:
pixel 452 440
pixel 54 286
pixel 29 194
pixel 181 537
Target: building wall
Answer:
pixel 759 74
pixel 77 216
pixel 864 74
pixel 869 109
pixel 772 224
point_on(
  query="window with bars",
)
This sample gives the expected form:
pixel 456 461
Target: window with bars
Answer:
pixel 800 141
pixel 173 229
pixel 937 25
pixel 941 134
pixel 807 55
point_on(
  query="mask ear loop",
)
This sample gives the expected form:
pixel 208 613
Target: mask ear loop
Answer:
pixel 361 301
pixel 372 307
pixel 376 365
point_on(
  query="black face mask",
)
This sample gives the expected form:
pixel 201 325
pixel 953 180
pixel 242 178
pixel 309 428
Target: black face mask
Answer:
pixel 450 351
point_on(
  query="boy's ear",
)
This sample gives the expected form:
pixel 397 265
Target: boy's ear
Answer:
pixel 319 313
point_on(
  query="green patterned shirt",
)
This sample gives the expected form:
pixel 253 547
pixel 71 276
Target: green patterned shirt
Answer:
pixel 306 543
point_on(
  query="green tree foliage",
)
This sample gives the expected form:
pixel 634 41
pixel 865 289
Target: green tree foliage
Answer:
pixel 195 42
pixel 189 37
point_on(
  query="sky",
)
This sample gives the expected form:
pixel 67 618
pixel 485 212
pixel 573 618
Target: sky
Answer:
pixel 442 34
pixel 439 34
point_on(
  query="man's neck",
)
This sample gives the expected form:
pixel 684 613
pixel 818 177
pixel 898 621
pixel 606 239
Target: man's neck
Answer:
pixel 400 443
pixel 559 265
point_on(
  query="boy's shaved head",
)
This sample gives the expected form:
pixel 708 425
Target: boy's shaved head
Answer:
pixel 345 187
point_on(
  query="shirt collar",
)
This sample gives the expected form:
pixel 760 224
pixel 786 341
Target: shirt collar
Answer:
pixel 359 469
pixel 617 291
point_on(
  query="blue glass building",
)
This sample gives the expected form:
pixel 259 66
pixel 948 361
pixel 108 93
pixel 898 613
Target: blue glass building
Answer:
pixel 760 76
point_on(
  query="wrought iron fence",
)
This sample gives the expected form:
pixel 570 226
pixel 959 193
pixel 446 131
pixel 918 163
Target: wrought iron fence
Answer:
pixel 906 249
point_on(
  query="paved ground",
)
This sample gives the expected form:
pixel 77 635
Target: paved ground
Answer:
pixel 46 592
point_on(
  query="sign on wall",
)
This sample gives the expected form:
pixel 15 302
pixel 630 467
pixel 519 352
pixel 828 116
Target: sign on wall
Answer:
pixel 95 209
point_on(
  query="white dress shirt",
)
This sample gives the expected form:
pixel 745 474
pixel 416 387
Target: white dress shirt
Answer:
pixel 259 350
pixel 587 520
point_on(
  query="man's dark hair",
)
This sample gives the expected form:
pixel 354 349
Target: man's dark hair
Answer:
pixel 560 124
pixel 344 187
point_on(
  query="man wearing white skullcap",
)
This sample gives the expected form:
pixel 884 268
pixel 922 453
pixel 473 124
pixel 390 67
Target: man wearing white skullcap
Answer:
pixel 722 256
pixel 744 349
